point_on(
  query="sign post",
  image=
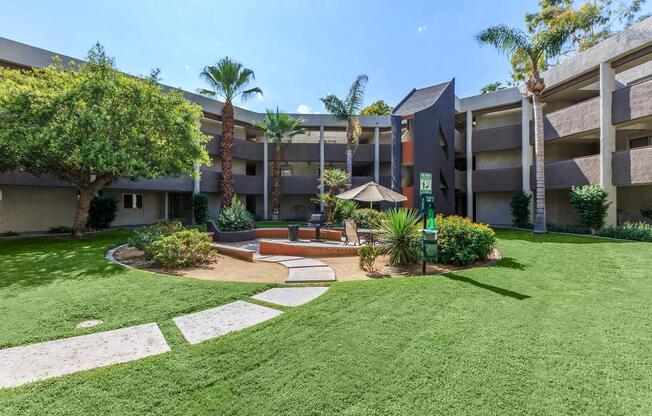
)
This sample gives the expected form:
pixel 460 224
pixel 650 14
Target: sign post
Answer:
pixel 428 233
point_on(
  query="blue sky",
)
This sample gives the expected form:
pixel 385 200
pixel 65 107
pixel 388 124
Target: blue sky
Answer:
pixel 299 50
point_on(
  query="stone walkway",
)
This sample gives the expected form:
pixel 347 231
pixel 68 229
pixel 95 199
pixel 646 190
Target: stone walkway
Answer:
pixel 20 365
pixel 29 363
pixel 301 269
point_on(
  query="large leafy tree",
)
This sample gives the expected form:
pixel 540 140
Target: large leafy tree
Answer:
pixel 377 108
pixel 228 79
pixel 348 109
pixel 547 43
pixel 280 128
pixel 91 124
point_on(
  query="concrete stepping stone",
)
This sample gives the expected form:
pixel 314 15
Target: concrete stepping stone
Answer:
pixel 278 259
pixel 302 263
pixel 291 296
pixel 310 274
pixel 215 322
pixel 20 365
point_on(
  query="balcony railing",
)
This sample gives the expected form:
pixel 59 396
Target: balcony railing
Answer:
pixel 571 172
pixel 632 167
pixel 497 180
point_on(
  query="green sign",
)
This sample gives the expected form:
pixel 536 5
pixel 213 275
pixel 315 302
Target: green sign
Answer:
pixel 425 183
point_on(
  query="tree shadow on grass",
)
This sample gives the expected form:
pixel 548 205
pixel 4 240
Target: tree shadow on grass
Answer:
pixel 491 288
pixel 530 237
pixel 509 263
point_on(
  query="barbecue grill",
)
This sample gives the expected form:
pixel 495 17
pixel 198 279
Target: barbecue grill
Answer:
pixel 317 221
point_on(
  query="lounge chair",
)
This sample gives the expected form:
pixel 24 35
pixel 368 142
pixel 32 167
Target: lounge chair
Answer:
pixel 351 233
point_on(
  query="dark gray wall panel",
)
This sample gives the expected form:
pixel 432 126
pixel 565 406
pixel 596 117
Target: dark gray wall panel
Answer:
pixel 497 180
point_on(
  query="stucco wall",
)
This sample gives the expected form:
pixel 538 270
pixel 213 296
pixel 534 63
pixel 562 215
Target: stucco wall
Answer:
pixel 32 208
pixel 561 150
pixel 558 207
pixel 498 159
pixel 153 209
pixel 498 119
pixel 630 201
pixel 296 207
pixel 493 208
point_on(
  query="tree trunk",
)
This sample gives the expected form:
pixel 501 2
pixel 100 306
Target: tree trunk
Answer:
pixel 349 149
pixel 86 194
pixel 227 153
pixel 540 212
pixel 276 181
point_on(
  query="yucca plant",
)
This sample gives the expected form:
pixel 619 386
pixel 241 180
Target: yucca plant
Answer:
pixel 400 234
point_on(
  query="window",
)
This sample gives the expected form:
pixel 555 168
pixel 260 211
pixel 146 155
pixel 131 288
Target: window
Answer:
pixel 132 201
pixel 640 142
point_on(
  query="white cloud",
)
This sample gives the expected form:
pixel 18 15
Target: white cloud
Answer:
pixel 422 28
pixel 187 66
pixel 305 109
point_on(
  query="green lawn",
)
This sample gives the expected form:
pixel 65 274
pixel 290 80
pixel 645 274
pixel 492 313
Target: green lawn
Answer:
pixel 560 326
pixel 277 224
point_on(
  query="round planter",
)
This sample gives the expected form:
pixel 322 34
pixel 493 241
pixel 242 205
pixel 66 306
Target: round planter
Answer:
pixel 234 236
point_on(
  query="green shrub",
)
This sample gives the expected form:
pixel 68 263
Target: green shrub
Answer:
pixel 637 231
pixel 463 242
pixel 60 229
pixel 102 211
pixel 344 209
pixel 235 218
pixel 181 249
pixel 145 236
pixel 400 234
pixel 368 255
pixel 647 213
pixel 521 209
pixel 200 208
pixel 590 202
pixel 568 228
pixel 367 218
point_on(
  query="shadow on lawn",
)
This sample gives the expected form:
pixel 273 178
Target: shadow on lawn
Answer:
pixel 507 234
pixel 491 288
pixel 509 263
pixel 42 261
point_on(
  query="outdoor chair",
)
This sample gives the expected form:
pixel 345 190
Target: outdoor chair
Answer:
pixel 351 233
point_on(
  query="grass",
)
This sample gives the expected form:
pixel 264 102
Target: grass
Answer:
pixel 277 224
pixel 559 326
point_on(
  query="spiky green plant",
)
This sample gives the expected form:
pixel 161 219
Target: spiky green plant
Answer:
pixel 400 236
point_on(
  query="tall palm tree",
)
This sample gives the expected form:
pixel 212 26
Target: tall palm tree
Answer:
pixel 348 110
pixel 535 48
pixel 228 79
pixel 280 128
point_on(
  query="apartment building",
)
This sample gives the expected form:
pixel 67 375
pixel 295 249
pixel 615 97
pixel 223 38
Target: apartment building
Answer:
pixel 598 129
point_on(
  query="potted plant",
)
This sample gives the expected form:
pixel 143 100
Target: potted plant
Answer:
pixel 233 224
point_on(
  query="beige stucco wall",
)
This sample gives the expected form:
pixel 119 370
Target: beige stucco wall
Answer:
pixel 630 201
pixel 153 209
pixel 30 208
pixel 498 119
pixel 560 150
pixel 558 207
pixel 296 207
pixel 493 208
pixel 498 159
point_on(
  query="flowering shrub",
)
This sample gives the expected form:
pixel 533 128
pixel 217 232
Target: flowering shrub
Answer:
pixel 462 242
pixel 181 249
pixel 147 235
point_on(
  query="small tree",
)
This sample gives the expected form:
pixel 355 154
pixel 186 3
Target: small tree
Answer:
pixel 521 209
pixel 377 108
pixel 200 208
pixel 90 124
pixel 591 204
pixel 335 181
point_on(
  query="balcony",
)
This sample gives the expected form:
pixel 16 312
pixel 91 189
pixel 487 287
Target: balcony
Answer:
pixel 182 183
pixel 632 167
pixel 242 184
pixel 632 102
pixel 572 172
pixel 460 180
pixel 497 180
pixel 242 149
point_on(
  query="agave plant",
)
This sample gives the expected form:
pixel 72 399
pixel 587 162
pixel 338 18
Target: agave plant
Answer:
pixel 400 235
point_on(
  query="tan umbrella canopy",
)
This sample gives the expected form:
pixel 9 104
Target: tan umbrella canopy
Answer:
pixel 372 192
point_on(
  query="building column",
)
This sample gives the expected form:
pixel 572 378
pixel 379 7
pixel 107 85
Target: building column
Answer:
pixel 166 211
pixel 469 165
pixel 321 164
pixel 607 138
pixel 265 178
pixel 526 149
pixel 197 180
pixel 377 154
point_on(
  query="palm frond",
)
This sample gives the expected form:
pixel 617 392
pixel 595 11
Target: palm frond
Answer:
pixel 355 97
pixel 551 42
pixel 247 94
pixel 507 40
pixel 228 78
pixel 204 91
pixel 336 107
pixel 280 127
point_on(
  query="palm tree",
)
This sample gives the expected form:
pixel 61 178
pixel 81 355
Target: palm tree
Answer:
pixel 534 48
pixel 228 79
pixel 280 128
pixel 348 110
pixel 335 180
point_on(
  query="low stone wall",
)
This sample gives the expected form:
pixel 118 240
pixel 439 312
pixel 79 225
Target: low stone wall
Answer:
pixel 305 233
pixel 287 248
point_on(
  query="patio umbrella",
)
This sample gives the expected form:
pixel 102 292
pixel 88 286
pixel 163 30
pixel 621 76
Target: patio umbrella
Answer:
pixel 372 192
